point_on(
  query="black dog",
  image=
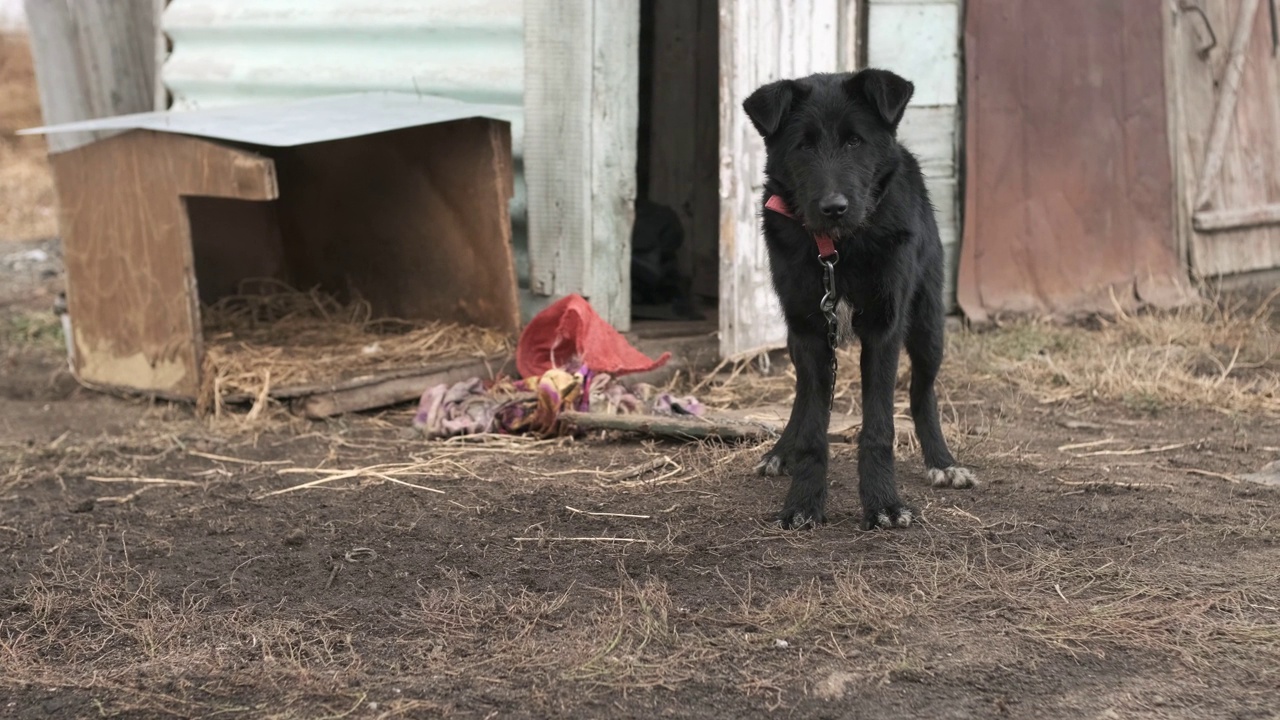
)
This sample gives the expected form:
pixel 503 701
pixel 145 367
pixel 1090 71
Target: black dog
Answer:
pixel 837 180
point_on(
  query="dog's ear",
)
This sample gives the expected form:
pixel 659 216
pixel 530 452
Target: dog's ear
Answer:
pixel 887 92
pixel 769 105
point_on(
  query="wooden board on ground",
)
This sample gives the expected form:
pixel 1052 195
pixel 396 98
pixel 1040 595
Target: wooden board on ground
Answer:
pixel 751 424
pixel 381 392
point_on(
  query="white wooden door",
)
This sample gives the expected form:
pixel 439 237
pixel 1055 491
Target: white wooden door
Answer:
pixel 760 41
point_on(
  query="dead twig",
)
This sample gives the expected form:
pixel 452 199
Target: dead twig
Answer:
pixel 605 514
pixel 143 481
pixel 1083 445
pixel 581 539
pixel 1089 484
pixel 1135 451
pixel 238 461
pixel 1210 473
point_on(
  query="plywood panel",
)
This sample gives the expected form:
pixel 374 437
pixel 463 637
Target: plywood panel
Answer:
pixel 1065 208
pixel 413 221
pixel 759 42
pixel 131 291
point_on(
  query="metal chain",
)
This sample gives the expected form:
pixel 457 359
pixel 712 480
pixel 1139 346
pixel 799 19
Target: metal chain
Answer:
pixel 828 306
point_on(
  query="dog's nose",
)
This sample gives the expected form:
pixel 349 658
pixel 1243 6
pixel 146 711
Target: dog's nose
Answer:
pixel 834 205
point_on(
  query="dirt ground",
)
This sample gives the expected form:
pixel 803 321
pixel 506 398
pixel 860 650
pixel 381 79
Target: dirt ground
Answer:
pixel 1114 563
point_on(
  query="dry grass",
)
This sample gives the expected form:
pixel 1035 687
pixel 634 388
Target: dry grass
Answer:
pixel 1215 355
pixel 28 211
pixel 258 342
pixel 113 628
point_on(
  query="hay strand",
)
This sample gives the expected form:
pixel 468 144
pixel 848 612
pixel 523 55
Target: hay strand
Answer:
pixel 277 338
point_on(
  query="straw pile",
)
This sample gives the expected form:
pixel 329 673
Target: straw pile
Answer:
pixel 257 343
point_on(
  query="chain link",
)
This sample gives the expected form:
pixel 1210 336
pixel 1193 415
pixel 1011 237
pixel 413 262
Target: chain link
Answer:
pixel 828 305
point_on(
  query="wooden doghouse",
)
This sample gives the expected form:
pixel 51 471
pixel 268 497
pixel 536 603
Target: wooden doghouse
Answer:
pixel 399 199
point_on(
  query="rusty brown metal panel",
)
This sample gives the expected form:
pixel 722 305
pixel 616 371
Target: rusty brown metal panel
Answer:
pixel 1069 187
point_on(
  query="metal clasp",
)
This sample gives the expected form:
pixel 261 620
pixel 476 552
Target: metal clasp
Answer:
pixel 828 307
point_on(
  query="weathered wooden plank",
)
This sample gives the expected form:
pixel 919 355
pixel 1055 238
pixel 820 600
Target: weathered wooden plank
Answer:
pixel 615 95
pixel 930 134
pixel 1237 219
pixel 759 42
pixel 557 101
pixel 678 427
pixel 1180 158
pixel 1227 97
pixel 849 50
pixel 387 391
pixel 581 94
pixel 93 58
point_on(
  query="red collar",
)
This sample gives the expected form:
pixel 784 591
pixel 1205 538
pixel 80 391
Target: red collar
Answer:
pixel 826 247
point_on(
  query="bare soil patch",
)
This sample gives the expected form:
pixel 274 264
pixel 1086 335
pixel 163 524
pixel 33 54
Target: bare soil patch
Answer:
pixel 1112 565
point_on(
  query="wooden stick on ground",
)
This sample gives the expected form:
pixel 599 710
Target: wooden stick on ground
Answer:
pixel 667 426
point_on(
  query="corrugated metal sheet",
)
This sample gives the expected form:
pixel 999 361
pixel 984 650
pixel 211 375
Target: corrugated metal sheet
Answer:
pixel 231 51
pixel 290 123
pixel 920 40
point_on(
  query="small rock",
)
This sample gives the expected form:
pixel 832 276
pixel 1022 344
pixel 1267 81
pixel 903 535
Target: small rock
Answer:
pixel 295 537
pixel 780 643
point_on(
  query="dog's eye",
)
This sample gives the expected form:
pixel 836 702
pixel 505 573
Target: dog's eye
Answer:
pixel 853 141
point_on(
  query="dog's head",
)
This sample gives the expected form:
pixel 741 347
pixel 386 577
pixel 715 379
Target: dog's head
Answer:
pixel 830 139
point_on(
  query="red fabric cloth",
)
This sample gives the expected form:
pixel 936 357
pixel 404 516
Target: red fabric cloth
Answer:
pixel 570 330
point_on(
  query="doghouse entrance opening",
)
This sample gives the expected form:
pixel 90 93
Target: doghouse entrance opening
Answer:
pixel 676 242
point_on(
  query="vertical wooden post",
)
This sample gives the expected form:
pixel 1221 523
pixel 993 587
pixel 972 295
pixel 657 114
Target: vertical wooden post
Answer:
pixel 93 58
pixel 849 35
pixel 581 96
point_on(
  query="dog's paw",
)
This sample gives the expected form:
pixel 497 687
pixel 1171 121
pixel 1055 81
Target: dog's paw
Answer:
pixel 893 516
pixel 801 518
pixel 952 477
pixel 771 465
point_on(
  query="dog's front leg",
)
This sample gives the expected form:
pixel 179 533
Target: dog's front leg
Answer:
pixel 778 460
pixel 881 506
pixel 806 433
